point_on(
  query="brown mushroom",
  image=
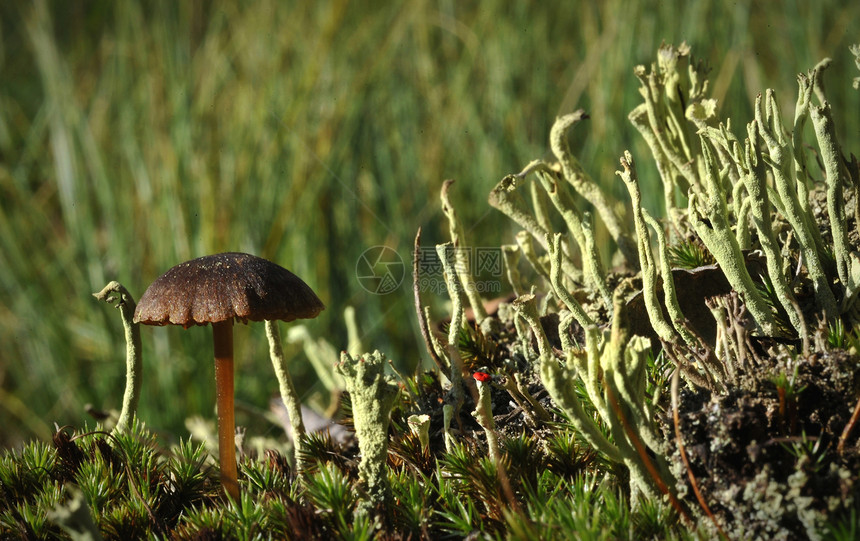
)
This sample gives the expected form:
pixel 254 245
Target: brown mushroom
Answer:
pixel 219 289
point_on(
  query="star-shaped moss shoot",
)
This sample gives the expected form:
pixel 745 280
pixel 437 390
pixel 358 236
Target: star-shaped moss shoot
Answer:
pixel 373 395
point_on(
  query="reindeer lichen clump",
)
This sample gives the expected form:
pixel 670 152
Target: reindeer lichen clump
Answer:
pixel 373 395
pixel 750 202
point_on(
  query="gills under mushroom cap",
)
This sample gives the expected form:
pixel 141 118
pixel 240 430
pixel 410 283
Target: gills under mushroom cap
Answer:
pixel 226 286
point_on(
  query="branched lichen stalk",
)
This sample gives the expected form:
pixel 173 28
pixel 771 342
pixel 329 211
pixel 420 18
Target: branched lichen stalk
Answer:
pixel 772 131
pixel 558 284
pixel 847 263
pixel 743 233
pixel 591 261
pixel 630 378
pixel 591 370
pixel 527 248
pixel 710 220
pixel 650 272
pixel 561 200
pixel 560 382
pixel 291 399
pixel 801 113
pixel 629 428
pixel 672 180
pixel 505 198
pixel 373 394
pixel 526 308
pixel 585 186
pixel 670 296
pixel 462 266
pixel 756 185
pixel 540 204
pixel 116 292
pixel 651 91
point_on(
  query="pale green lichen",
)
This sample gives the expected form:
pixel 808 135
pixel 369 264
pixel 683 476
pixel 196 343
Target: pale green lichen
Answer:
pixel 505 198
pixel 289 396
pixel 663 109
pixel 527 248
pixel 373 394
pixel 836 177
pixel 668 175
pixel 483 413
pixel 455 291
pixel 592 262
pixel 540 205
pixel 742 196
pixel 622 360
pixel 557 282
pixel 462 264
pixel 526 308
pixel 670 296
pixel 559 381
pixel 115 292
pixel 709 217
pixel 585 185
pixel 511 258
pixel 650 274
pixel 802 222
pixel 613 372
pixel 420 426
pixel 563 203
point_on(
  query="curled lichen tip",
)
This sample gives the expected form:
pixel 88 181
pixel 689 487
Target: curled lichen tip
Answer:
pixel 114 292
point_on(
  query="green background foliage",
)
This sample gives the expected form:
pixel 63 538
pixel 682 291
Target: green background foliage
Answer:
pixel 136 135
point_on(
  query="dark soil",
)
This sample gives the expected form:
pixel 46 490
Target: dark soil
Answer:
pixel 765 462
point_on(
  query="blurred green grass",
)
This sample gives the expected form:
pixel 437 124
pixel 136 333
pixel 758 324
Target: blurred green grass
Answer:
pixel 136 135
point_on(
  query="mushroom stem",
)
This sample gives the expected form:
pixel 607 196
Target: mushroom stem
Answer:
pixel 222 337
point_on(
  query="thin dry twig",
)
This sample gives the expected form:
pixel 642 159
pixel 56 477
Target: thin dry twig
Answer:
pixel 422 321
pixel 846 432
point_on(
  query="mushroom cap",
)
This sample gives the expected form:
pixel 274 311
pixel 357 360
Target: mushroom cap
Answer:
pixel 226 286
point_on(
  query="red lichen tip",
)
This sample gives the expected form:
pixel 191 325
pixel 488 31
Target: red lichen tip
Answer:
pixel 483 377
